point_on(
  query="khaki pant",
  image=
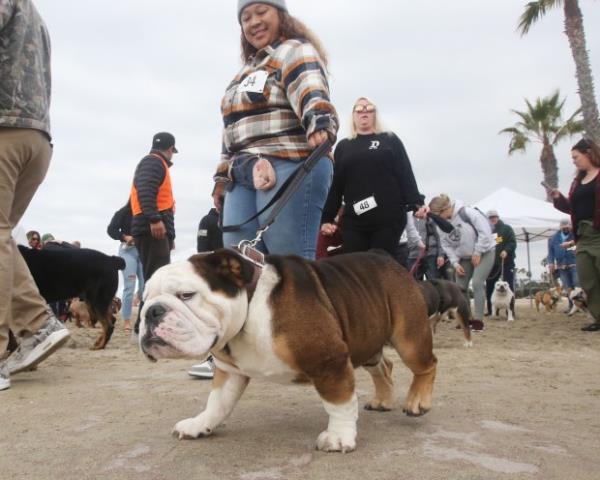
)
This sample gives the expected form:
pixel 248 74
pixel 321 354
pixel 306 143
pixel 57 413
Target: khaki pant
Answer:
pixel 588 266
pixel 24 159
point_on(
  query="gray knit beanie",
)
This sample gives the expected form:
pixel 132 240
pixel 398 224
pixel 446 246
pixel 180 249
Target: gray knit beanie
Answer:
pixel 280 4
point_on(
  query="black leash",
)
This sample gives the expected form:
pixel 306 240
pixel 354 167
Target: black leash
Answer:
pixel 285 192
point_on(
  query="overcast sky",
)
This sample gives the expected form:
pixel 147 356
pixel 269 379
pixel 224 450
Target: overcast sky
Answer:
pixel 444 75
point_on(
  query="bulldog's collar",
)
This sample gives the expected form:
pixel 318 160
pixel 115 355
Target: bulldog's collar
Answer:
pixel 257 259
pixel 251 288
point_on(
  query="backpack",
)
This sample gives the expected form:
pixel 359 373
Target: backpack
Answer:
pixel 465 218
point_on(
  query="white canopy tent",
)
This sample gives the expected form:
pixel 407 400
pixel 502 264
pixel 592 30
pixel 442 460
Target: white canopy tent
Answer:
pixel 531 219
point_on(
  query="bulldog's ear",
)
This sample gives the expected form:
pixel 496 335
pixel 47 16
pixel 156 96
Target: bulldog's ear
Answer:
pixel 224 268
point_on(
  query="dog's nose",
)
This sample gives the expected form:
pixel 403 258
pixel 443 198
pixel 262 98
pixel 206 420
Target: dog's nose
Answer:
pixel 155 313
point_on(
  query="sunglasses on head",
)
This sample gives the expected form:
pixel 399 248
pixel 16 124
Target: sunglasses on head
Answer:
pixel 364 108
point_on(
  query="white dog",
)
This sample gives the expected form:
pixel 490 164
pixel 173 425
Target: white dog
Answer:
pixel 503 299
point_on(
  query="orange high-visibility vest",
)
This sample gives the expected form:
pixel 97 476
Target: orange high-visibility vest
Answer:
pixel 164 199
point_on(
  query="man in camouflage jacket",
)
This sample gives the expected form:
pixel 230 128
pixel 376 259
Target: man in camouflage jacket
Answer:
pixel 25 152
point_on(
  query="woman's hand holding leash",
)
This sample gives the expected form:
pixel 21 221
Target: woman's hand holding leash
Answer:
pixel 317 139
pixel 328 229
pixel 422 212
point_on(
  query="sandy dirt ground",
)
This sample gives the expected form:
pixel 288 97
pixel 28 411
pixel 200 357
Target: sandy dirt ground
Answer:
pixel 523 403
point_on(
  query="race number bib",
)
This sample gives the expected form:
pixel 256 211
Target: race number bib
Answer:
pixel 254 83
pixel 365 205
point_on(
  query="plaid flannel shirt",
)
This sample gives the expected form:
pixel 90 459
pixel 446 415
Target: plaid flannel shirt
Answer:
pixel 293 105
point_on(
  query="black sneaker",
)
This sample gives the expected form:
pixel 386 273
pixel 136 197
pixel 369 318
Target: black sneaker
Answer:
pixel 592 327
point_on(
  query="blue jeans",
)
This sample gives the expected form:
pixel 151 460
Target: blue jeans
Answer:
pixel 296 228
pixel 568 277
pixel 133 269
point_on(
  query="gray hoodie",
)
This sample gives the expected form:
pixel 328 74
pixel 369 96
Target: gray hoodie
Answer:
pixel 463 241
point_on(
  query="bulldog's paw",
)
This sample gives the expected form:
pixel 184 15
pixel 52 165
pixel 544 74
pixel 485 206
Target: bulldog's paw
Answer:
pixel 376 405
pixel 335 442
pixel 191 428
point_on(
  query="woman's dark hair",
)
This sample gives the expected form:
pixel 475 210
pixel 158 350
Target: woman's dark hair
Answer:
pixel 290 27
pixel 31 233
pixel 589 148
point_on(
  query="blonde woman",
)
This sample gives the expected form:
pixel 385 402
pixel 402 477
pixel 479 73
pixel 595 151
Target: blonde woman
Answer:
pixel 470 247
pixel 374 177
pixel 275 112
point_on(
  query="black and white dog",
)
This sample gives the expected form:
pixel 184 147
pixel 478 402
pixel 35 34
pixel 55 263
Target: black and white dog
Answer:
pixel 579 300
pixel 503 298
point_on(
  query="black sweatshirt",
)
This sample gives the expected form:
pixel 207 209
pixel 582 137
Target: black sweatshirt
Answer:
pixel 120 224
pixel 372 165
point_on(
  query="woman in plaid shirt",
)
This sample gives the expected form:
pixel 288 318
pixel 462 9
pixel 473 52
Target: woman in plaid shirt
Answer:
pixel 276 110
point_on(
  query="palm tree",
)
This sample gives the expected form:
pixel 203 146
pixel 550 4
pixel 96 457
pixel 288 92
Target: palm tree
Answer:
pixel 542 123
pixel 574 30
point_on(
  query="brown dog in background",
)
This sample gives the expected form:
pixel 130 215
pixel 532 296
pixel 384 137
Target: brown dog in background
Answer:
pixel 79 312
pixel 548 299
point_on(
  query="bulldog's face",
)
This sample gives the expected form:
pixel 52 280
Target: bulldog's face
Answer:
pixel 502 287
pixel 193 306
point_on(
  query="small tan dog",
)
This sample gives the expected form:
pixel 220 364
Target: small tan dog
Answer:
pixel 79 312
pixel 548 298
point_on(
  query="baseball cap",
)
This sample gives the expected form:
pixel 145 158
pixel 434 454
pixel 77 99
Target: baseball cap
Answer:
pixel 492 213
pixel 163 140
pixel 47 237
pixel 565 222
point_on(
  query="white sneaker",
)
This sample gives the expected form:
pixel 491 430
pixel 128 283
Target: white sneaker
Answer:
pixel 203 370
pixel 38 347
pixel 4 377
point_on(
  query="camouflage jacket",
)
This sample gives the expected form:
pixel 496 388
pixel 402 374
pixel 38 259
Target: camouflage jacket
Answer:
pixel 24 67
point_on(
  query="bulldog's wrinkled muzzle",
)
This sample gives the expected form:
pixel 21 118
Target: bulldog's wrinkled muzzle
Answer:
pixel 152 318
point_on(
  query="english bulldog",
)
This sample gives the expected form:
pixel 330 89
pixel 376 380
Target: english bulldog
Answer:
pixel 503 298
pixel 292 320
pixel 579 300
pixel 548 299
pixel 446 300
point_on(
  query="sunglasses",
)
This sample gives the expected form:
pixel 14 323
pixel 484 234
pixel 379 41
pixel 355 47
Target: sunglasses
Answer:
pixel 32 239
pixel 364 108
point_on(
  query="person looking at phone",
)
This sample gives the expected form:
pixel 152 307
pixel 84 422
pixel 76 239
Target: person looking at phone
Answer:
pixel 583 204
